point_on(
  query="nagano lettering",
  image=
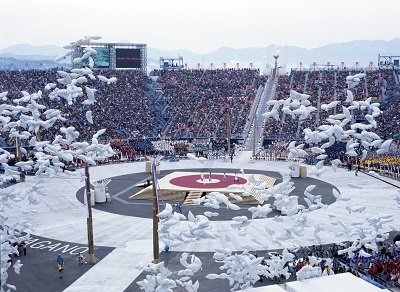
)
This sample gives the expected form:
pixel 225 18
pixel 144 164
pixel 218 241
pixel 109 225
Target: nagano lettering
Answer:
pixel 56 247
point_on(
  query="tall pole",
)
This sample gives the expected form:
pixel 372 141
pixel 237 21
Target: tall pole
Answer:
pixel 254 135
pixel 17 149
pixel 156 248
pixel 38 138
pixel 276 56
pixel 228 131
pixel 90 258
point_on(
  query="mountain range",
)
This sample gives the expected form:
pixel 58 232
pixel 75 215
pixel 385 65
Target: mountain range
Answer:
pixel 362 51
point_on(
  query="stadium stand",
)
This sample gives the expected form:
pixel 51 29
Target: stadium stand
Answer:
pixel 325 86
pixel 194 103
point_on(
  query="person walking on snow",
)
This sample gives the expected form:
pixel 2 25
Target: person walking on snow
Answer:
pixel 60 265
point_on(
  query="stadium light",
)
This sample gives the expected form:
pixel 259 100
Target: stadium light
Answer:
pixel 276 56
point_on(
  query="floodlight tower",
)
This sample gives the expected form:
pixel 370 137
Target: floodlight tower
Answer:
pixel 276 56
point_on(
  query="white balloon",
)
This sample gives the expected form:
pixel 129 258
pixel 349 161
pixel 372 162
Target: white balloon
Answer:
pixel 89 117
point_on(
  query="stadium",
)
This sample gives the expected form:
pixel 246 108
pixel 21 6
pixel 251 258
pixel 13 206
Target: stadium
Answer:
pixel 117 174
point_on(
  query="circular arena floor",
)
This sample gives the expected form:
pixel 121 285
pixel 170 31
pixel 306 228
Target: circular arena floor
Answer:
pixel 215 181
pixel 122 187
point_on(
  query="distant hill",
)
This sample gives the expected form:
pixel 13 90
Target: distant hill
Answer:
pixel 26 56
pixel 362 51
pixel 27 49
pixel 349 52
pixel 10 63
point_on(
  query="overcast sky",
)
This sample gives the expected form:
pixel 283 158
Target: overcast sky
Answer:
pixel 199 25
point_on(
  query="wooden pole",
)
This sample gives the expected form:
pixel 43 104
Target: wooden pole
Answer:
pixel 156 248
pixel 90 258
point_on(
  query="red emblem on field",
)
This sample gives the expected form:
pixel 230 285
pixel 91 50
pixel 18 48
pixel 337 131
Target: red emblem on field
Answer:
pixel 217 181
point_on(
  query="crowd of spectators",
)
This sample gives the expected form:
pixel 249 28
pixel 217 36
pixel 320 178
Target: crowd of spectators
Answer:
pixel 325 86
pixel 276 150
pixel 122 149
pixel 387 163
pixel 133 149
pixel 198 100
pixel 170 147
pixel 120 107
pixel 383 266
pixel 389 120
pixel 298 81
pixel 378 80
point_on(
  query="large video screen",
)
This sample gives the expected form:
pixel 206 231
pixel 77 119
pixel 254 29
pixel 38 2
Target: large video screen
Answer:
pixel 101 59
pixel 128 58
